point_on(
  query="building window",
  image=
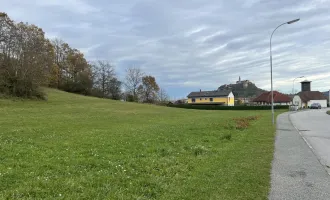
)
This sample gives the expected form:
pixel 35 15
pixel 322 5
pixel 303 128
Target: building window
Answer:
pixel 205 98
pixel 200 99
pixel 211 99
pixel 229 98
pixel 193 100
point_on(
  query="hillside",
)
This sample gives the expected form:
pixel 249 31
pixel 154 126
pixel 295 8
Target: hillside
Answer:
pixel 78 147
pixel 243 89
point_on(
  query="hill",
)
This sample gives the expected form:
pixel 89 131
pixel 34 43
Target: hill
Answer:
pixel 78 147
pixel 243 89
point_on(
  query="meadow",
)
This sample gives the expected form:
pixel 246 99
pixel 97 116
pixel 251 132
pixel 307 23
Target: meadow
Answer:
pixel 77 147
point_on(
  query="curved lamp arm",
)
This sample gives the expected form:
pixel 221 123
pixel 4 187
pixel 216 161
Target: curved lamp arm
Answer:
pixel 270 42
pixel 271 64
pixel 294 81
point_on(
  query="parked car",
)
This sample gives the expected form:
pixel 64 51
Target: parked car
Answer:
pixel 316 106
pixel 293 108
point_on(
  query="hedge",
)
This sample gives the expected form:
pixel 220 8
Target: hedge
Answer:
pixel 218 107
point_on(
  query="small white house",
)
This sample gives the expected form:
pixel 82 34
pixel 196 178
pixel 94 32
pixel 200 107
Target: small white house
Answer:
pixel 307 98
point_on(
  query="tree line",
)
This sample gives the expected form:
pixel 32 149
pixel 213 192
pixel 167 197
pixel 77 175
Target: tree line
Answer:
pixel 29 61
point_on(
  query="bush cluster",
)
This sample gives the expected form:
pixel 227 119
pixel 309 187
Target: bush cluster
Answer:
pixel 218 107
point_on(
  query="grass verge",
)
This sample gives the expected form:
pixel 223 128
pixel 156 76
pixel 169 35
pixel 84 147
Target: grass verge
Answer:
pixel 76 147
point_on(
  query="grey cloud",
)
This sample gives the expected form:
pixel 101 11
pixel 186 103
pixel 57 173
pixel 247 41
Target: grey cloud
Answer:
pixel 196 43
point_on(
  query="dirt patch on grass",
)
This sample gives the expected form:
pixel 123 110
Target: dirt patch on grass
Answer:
pixel 241 123
pixel 244 122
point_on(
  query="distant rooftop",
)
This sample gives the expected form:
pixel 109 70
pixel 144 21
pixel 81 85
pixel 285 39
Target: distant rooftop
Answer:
pixel 306 81
pixel 278 97
pixel 311 95
pixel 215 93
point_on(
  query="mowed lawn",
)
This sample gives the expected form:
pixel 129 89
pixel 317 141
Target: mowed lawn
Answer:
pixel 76 147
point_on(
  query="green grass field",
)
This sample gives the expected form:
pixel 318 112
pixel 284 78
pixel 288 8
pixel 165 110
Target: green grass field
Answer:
pixel 76 147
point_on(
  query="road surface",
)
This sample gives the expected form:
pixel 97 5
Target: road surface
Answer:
pixel 314 126
pixel 296 171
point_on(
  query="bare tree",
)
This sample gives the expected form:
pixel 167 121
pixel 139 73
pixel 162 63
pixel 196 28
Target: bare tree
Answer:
pixel 162 95
pixel 60 50
pixel 133 80
pixel 104 73
pixel 106 84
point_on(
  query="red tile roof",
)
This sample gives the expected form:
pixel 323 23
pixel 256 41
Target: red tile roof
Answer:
pixel 266 97
pixel 311 95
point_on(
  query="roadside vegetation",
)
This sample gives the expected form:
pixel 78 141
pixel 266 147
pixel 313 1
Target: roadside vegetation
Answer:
pixel 30 61
pixel 79 147
pixel 328 112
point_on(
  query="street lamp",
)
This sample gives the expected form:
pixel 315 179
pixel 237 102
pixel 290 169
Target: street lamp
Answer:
pixel 293 83
pixel 271 65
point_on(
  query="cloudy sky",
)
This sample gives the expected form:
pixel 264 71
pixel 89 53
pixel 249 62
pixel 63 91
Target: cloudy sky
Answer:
pixel 193 44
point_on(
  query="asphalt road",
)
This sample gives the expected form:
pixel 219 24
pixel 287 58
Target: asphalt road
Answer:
pixel 296 171
pixel 314 126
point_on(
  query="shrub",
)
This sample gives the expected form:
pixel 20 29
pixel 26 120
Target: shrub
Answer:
pixel 219 107
pixel 328 112
pixel 24 88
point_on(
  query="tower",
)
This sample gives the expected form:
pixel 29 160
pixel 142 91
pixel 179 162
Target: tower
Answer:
pixel 239 79
pixel 305 86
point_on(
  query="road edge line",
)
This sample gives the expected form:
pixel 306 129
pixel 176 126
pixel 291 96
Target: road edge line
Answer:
pixel 310 146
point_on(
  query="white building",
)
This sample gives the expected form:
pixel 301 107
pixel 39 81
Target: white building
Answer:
pixel 306 98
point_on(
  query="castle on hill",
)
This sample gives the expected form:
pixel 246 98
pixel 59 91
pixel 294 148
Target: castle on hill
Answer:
pixel 239 84
pixel 244 82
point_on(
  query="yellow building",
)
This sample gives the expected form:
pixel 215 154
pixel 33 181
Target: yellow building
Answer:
pixel 224 97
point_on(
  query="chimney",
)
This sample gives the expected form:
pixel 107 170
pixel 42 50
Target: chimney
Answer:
pixel 200 90
pixel 305 86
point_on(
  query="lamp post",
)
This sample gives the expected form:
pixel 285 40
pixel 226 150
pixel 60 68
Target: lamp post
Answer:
pixel 293 83
pixel 271 64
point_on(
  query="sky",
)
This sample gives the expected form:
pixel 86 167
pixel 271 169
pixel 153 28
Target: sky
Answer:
pixel 190 45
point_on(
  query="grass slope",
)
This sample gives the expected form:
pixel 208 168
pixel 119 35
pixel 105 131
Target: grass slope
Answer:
pixel 76 147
